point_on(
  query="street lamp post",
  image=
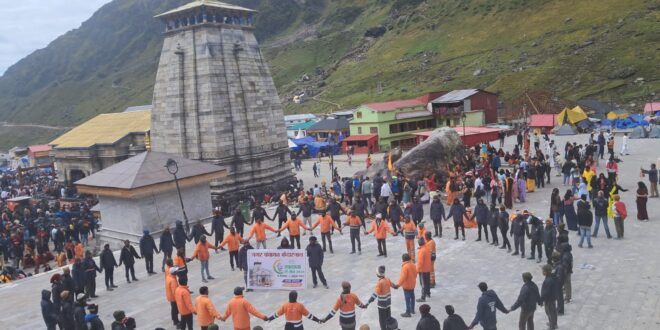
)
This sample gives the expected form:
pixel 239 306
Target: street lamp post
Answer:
pixel 173 168
pixel 331 145
pixel 463 119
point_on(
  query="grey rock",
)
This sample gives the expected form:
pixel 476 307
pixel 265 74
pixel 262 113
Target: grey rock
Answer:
pixel 442 148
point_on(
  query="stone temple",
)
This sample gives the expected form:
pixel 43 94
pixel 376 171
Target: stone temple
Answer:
pixel 214 98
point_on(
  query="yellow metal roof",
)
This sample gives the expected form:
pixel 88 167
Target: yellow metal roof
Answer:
pixel 104 129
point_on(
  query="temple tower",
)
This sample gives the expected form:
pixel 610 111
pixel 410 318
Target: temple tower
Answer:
pixel 214 98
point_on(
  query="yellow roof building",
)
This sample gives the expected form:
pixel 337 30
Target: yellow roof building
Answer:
pixel 104 129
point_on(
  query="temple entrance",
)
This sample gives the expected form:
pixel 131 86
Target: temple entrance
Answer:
pixel 75 175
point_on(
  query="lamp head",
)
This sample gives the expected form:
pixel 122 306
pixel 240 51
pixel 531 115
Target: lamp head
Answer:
pixel 172 166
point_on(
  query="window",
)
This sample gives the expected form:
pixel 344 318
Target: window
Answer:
pixel 373 130
pixel 358 114
pixel 412 126
pixel 359 129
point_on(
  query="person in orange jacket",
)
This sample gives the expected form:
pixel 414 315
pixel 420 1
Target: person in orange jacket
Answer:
pixel 202 253
pixel 409 233
pixel 181 263
pixel 79 251
pixel 327 223
pixel 170 287
pixel 240 309
pixel 293 312
pixel 421 230
pixel 205 309
pixel 354 222
pixel 184 304
pixel 430 243
pixel 382 293
pixel 408 281
pixel 259 230
pixel 293 225
pixel 380 228
pixel 424 267
pixel 346 305
pixel 233 241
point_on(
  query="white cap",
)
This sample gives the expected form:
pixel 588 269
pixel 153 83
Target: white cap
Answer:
pixel 379 216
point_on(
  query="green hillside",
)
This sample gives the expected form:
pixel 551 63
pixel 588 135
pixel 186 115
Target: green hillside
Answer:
pixel 574 49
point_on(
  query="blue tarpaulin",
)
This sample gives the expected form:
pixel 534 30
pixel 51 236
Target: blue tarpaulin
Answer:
pixel 314 147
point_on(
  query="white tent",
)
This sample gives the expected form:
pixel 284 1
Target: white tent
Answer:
pixel 300 134
pixel 291 144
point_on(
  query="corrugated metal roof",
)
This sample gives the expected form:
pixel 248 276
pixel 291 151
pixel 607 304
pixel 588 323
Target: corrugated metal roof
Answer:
pixel 330 124
pixel 303 126
pixel 302 116
pixel 139 108
pixel 104 129
pixel 455 96
pixel 393 105
pixel 145 169
pixel 207 3
pixel 39 147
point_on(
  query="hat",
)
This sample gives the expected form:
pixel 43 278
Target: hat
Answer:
pixel 312 238
pixel 119 315
pixel 379 216
pixel 238 290
pixel 55 278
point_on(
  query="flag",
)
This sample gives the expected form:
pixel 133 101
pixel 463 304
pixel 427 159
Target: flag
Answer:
pixel 390 167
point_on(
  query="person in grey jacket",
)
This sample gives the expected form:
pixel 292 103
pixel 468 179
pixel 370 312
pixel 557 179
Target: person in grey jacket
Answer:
pixel 518 231
pixel 48 311
pixel 493 223
pixel 482 215
pixel 456 211
pixel 315 261
pixel 527 300
pixel 535 237
pixel 437 214
pixel 549 296
pixel 549 238
pixel 487 308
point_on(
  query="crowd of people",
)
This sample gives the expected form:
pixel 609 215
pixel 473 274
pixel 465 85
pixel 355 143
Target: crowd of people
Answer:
pixel 494 181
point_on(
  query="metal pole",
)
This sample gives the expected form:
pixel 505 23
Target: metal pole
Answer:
pixel 185 216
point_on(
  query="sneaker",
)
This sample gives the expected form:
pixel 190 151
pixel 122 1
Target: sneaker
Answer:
pixel 463 237
pixel 359 252
pixel 326 286
pixel 114 286
pixel 211 278
pixel 109 289
pixel 135 279
pixel 477 240
pixel 421 300
pixel 502 247
pixel 352 252
pixel 405 314
pixel 204 280
pixel 590 246
pixel 580 245
pixel 514 254
pixel 531 258
pixel 314 286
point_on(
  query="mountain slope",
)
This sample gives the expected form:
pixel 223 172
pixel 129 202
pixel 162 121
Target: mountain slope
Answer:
pixel 574 49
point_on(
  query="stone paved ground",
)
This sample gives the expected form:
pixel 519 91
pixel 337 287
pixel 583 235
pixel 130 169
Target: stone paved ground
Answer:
pixel 616 285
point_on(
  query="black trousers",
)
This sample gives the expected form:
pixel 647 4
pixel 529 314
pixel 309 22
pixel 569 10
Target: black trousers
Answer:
pixel 149 262
pixel 327 236
pixel 239 230
pixel 426 284
pixel 493 233
pixel 384 314
pixel 187 322
pixel 382 246
pixel 560 297
pixel 90 287
pixel 540 182
pixel 219 236
pixel 109 276
pixel 505 238
pixel 355 236
pixel 319 271
pixel 548 251
pixel 526 321
pixel 337 221
pixel 437 227
pixel 167 255
pixel 174 312
pixel 551 312
pixel 485 227
pixel 396 226
pixel 280 222
pixel 536 246
pixel 233 256
pixel 519 243
pixel 131 269
pixel 295 239
pixel 459 225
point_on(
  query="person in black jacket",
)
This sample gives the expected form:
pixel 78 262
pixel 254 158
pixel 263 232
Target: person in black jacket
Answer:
pixel 487 308
pixel 359 209
pixel 417 211
pixel 527 300
pixel 549 296
pixel 518 231
pixel 453 321
pixel 306 208
pixel 108 264
pixel 427 320
pixel 600 211
pixel 78 274
pixel 315 261
pixel 243 260
pixel 197 231
pixel 166 245
pixel 482 215
pixel 503 220
pixel 147 249
pixel 67 282
pixel 258 213
pixel 56 289
pixel 180 238
pixel 395 215
pixel 127 257
pixel 437 214
pixel 281 212
pixel 549 238
pixel 335 210
pixel 48 311
pixel 66 313
pixel 218 226
pixel 381 207
pixel 535 237
pixel 238 222
pixel 493 223
pixel 79 312
pixel 90 274
pixel 585 219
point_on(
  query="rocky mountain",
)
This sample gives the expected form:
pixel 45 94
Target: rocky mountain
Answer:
pixel 341 53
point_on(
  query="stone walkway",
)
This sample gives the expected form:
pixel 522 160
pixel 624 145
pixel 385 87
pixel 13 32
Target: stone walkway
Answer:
pixel 616 284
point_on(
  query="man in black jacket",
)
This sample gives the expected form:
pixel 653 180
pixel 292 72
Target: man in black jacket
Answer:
pixel 48 310
pixel 549 296
pixel 437 214
pixel 218 226
pixel 258 213
pixel 243 260
pixel 281 212
pixel 147 249
pixel 518 231
pixel 503 220
pixel 166 246
pixel 335 211
pixel 482 214
pixel 527 300
pixel 127 257
pixel 315 261
pixel 493 223
pixel 453 321
pixel 306 208
pixel 360 209
pixel 585 219
pixel 90 274
pixel 79 312
pixel 108 264
pixel 197 231
pixel 549 238
pixel 535 237
pixel 427 320
pixel 238 221
pixel 600 211
pixel 487 308
pixel 180 237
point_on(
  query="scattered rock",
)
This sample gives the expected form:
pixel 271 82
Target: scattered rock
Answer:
pixel 478 72
pixel 622 73
pixel 575 83
pixel 587 43
pixel 568 20
pixel 375 32
pixel 534 44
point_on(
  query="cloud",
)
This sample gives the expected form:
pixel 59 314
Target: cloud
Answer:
pixel 28 25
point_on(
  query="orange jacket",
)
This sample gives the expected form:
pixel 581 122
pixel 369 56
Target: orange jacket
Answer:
pixel 430 243
pixel 424 263
pixel 259 229
pixel 346 305
pixel 353 221
pixel 183 300
pixel 79 251
pixel 202 250
pixel 380 230
pixel 408 229
pixel 170 286
pixel 293 312
pixel 294 226
pixel 234 241
pixel 319 202
pixel 408 276
pixel 206 311
pixel 179 261
pixel 421 233
pixel 240 309
pixel 326 224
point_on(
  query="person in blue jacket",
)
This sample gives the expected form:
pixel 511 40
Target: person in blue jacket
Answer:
pixel 487 308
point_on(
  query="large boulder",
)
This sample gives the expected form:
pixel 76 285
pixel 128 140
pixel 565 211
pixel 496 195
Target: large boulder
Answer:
pixel 379 167
pixel 442 148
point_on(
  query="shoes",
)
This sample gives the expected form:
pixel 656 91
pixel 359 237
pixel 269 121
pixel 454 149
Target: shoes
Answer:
pixel 380 255
pixel 211 278
pixel 522 256
pixel 580 245
pixel 590 246
pixel 326 286
pixel 114 286
pixel 514 254
pixel 455 238
pixel 360 252
pixel 477 240
pixel 531 258
pixel 594 236
pixel 129 281
pixel 421 300
pixel 314 286
pixel 502 247
pixel 352 252
pixel 609 237
pixel 405 314
pixel 204 280
pixel 248 290
pixel 109 289
pixel 135 279
pixel 538 261
pixel 463 237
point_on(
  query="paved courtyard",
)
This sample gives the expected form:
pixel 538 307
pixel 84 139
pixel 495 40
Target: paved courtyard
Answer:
pixel 616 285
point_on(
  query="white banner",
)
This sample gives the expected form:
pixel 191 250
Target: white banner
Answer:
pixel 277 269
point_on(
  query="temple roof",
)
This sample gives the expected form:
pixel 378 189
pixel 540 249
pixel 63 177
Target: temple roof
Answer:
pixel 104 129
pixel 205 3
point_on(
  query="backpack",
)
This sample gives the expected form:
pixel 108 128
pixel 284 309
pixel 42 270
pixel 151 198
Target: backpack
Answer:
pixel 621 209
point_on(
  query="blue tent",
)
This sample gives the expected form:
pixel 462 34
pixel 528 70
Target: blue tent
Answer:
pixel 304 141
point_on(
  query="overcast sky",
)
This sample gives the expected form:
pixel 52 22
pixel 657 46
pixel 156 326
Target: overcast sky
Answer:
pixel 28 25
